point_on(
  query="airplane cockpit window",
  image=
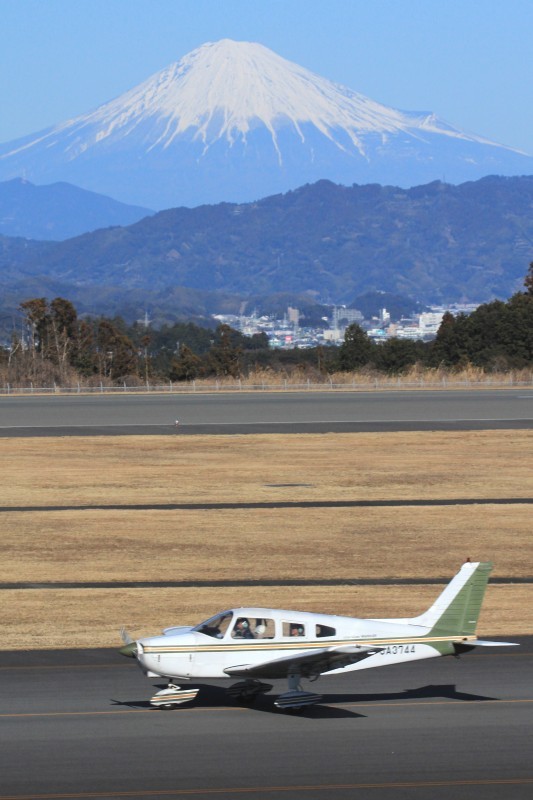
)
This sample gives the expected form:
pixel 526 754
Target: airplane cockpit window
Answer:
pixel 325 630
pixel 253 628
pixel 216 626
pixel 293 629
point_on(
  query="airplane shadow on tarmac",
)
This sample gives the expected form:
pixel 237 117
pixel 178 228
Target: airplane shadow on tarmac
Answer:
pixel 215 696
pixel 446 690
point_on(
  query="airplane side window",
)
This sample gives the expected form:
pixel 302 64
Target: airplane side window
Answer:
pixel 325 630
pixel 253 628
pixel 264 628
pixel 242 629
pixel 293 629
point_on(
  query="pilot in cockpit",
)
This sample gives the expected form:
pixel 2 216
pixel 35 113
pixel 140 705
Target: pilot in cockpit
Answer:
pixel 242 629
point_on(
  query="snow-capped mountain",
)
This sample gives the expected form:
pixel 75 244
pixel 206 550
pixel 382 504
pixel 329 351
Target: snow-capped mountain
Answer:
pixel 235 121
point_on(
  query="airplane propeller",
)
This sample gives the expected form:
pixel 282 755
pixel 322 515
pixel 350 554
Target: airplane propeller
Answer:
pixel 130 645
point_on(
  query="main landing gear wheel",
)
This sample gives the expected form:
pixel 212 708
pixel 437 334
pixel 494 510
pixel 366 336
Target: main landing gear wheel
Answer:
pixel 247 691
pixel 296 699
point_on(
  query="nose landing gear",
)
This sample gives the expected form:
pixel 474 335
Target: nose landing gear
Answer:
pixel 173 696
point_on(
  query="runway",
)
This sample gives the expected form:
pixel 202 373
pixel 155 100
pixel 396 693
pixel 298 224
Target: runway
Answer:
pixel 77 725
pixel 298 412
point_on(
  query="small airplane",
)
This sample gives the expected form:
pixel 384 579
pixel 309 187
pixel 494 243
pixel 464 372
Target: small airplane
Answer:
pixel 257 644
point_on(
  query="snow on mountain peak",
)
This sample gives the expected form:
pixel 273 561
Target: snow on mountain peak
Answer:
pixel 227 88
pixel 235 121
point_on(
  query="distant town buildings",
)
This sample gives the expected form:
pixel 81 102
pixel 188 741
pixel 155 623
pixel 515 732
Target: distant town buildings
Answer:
pixel 291 331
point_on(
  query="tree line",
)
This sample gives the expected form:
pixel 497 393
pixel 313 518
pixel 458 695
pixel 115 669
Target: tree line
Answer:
pixel 56 345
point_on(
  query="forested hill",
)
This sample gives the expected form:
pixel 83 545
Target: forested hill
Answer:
pixel 437 243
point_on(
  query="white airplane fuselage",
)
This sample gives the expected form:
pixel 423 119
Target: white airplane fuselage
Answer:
pixel 257 644
pixel 188 653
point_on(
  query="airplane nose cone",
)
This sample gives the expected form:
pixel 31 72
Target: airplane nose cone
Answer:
pixel 129 650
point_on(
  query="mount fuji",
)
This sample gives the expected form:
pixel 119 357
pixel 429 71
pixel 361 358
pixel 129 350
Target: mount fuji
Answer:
pixel 233 121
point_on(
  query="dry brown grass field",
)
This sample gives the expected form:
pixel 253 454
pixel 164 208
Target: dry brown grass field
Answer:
pixel 273 544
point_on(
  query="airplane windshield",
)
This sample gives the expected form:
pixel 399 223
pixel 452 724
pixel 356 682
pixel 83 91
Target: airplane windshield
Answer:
pixel 216 626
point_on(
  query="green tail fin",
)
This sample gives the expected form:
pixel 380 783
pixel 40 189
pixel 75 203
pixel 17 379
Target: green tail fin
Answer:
pixel 456 611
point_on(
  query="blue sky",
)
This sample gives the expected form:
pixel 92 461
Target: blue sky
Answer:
pixel 469 61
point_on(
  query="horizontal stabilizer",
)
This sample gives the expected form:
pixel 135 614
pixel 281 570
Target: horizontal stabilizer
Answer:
pixel 484 643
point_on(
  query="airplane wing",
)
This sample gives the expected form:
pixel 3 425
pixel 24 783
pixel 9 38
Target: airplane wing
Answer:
pixel 309 664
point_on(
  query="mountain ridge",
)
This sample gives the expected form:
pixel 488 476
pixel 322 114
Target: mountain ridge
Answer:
pixel 436 243
pixel 59 211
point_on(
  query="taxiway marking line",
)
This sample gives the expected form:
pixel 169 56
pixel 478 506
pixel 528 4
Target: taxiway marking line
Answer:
pixel 195 709
pixel 93 425
pixel 86 666
pixel 336 422
pixel 108 713
pixel 277 789
pixel 262 422
pixel 377 704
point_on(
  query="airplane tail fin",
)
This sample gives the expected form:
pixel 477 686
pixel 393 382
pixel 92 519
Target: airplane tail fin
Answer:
pixel 455 612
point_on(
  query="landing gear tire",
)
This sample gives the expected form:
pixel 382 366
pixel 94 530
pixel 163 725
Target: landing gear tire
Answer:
pixel 296 700
pixel 246 692
pixel 245 700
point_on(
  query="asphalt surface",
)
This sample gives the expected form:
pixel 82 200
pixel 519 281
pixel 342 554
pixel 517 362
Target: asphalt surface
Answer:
pixel 238 413
pixel 76 724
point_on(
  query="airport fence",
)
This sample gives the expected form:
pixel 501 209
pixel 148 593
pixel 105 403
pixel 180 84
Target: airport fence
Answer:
pixel 285 385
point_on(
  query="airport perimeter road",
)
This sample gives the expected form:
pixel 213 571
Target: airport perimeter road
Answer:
pixel 298 412
pixel 78 725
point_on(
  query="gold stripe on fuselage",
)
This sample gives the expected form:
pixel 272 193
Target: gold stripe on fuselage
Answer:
pixel 254 645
